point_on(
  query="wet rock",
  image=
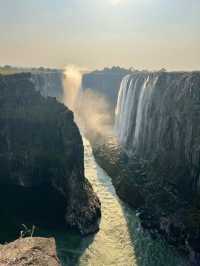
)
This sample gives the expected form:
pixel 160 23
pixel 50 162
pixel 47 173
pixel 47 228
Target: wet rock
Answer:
pixel 105 83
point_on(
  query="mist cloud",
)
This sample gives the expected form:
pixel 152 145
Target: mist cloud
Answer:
pixel 72 84
pixel 91 109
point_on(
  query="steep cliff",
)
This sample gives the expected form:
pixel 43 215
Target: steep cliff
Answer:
pixel 158 119
pixel 155 166
pixel 105 82
pixel 48 83
pixel 41 156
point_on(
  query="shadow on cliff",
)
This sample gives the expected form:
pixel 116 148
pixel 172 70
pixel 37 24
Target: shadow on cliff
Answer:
pixel 70 245
pixel 148 250
pixel 43 207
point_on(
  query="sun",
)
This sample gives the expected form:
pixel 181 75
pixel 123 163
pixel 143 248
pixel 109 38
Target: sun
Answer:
pixel 115 2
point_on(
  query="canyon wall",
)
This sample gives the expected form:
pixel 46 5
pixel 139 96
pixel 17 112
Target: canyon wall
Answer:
pixel 48 83
pixel 42 161
pixel 154 161
pixel 105 83
pixel 157 118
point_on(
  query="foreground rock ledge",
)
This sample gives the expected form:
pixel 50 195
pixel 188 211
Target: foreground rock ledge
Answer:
pixel 33 251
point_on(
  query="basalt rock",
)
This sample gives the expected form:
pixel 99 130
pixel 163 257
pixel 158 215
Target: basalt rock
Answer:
pixel 157 118
pixel 42 178
pixel 155 166
pixel 105 83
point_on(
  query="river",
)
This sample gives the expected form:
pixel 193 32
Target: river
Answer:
pixel 120 240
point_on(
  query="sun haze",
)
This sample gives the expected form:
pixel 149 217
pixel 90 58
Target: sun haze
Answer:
pixel 148 34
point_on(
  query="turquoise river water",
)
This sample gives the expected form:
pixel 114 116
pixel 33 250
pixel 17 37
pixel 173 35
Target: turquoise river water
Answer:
pixel 120 240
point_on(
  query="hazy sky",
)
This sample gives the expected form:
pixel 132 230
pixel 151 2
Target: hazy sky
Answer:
pixel 148 34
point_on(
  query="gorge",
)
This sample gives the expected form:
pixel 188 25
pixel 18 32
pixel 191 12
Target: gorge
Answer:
pixel 42 162
pixel 100 133
pixel 153 107
pixel 155 167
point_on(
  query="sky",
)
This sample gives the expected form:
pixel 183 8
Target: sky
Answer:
pixel 144 34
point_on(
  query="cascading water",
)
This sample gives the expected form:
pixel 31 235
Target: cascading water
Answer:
pixel 120 109
pixel 158 112
pixel 120 240
pixel 48 83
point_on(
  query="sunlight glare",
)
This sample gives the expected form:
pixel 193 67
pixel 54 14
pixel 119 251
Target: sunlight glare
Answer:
pixel 116 2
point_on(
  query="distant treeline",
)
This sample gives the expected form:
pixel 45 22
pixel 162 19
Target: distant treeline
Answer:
pixel 8 69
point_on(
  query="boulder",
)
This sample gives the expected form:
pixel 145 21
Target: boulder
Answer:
pixel 33 251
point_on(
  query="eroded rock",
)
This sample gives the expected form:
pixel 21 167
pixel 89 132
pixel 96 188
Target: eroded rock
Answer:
pixel 42 161
pixel 33 251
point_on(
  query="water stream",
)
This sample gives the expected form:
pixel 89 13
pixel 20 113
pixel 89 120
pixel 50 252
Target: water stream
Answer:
pixel 120 240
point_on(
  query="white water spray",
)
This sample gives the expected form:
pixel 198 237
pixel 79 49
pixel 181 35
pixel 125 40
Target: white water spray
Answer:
pixel 72 84
pixel 91 109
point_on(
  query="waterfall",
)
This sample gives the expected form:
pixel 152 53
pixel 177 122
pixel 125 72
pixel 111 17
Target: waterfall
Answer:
pixel 120 110
pixel 48 83
pixel 72 86
pixel 130 107
pixel 141 105
pixel 157 116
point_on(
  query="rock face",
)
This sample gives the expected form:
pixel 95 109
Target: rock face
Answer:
pixel 155 167
pixel 105 82
pixel 29 251
pixel 42 162
pixel 48 83
pixel 157 123
pixel 158 119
